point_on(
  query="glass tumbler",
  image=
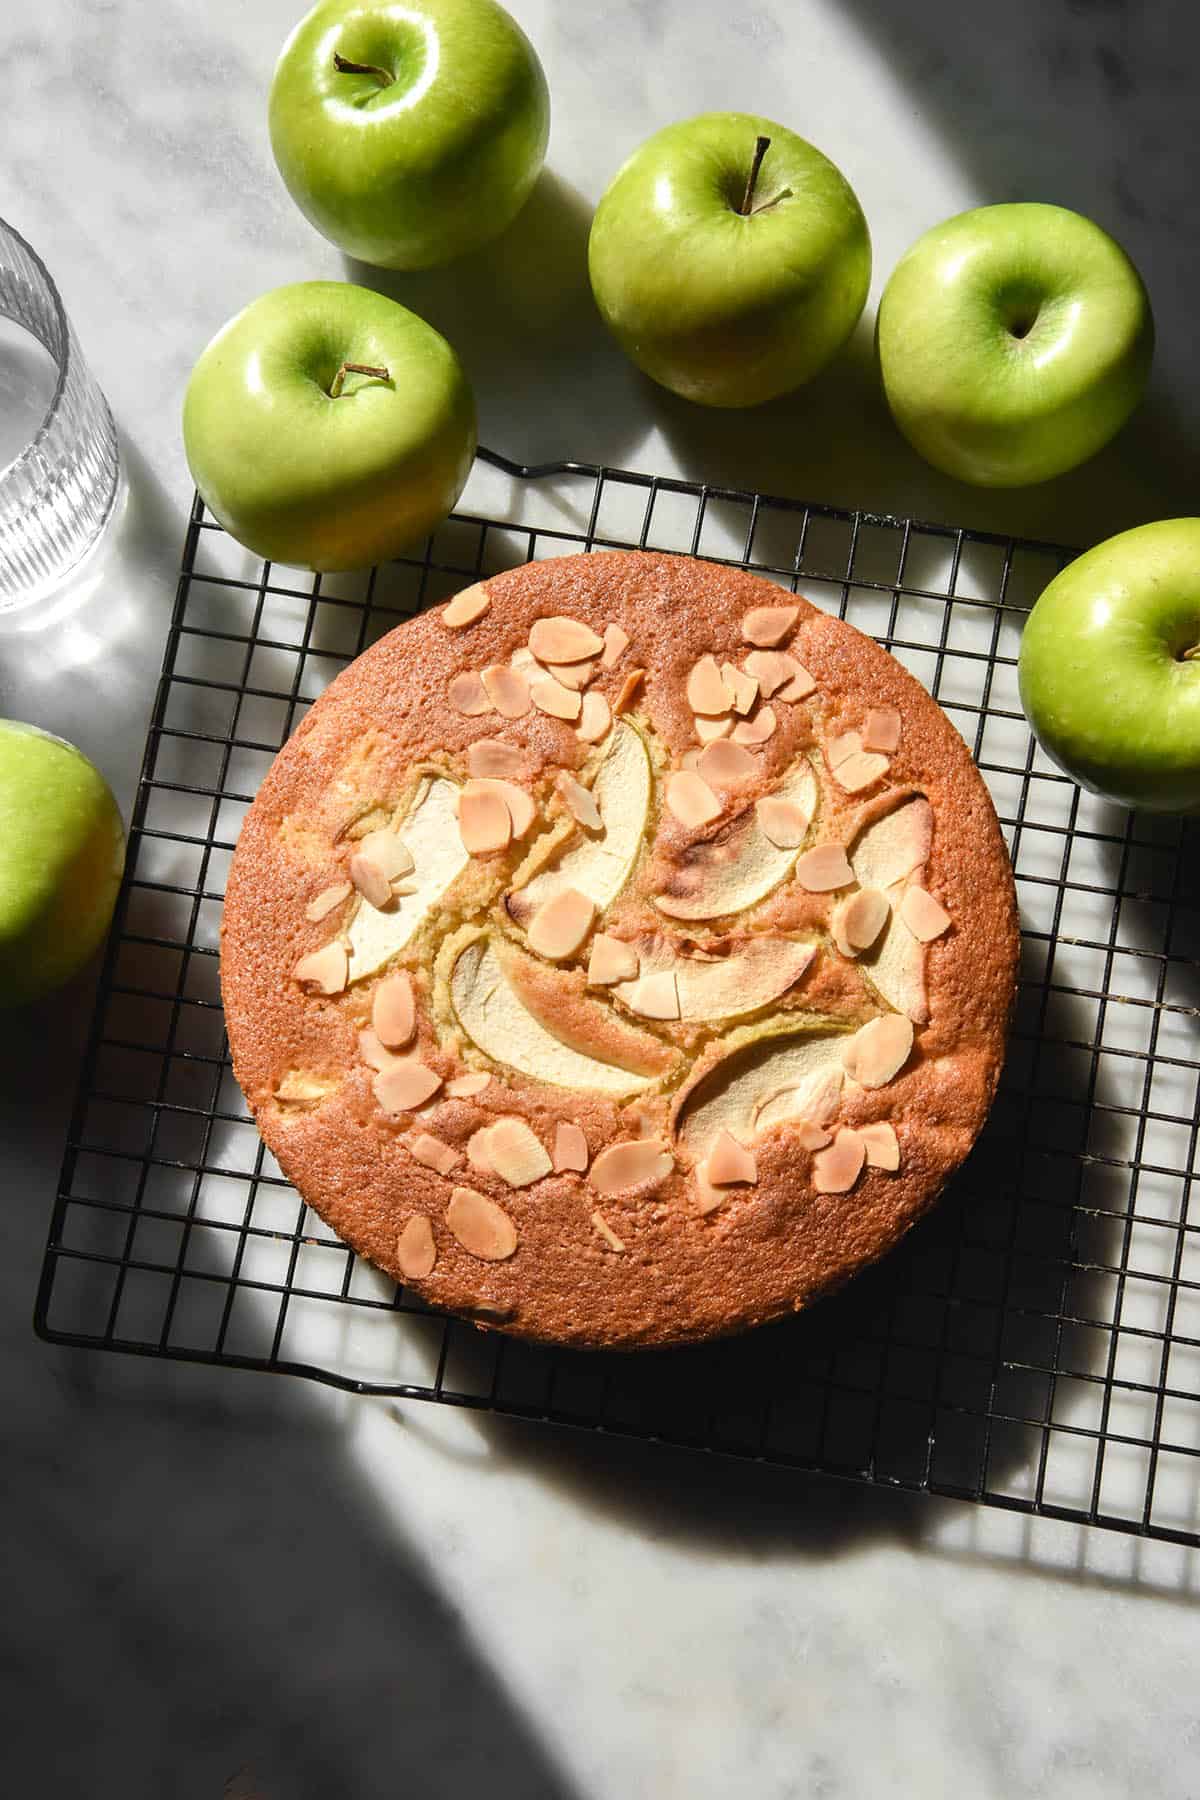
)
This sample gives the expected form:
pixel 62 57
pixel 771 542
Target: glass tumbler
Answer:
pixel 59 466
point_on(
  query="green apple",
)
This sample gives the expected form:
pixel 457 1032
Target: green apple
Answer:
pixel 328 427
pixel 62 848
pixel 1110 667
pixel 1013 342
pixel 729 258
pixel 409 134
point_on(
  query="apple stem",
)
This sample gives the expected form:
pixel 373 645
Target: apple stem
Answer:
pixel 344 66
pixel 349 368
pixel 761 146
pixel 1192 655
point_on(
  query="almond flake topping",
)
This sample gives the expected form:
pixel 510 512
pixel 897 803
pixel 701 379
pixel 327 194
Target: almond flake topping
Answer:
pixel 725 764
pixel 465 1087
pixel 580 801
pixel 595 719
pixel 388 851
pixel 416 1251
pixel 824 869
pixel 373 1052
pixel 708 1197
pixel 691 799
pixel 491 759
pixel 881 1145
pixel 563 640
pixel 842 745
pixel 326 969
pixel 882 729
pixel 606 1231
pixel 783 823
pixel 611 960
pixel 573 675
pixel 858 920
pixel 655 996
pixel 709 730
pixel 478 1154
pixel 516 1155
pixel 634 1163
pixel 468 695
pixel 560 924
pixel 743 688
pixel 767 625
pixel 466 607
pixel 405 1086
pixel 778 673
pixel 879 1050
pixel 616 642
pixel 801 684
pixel 925 917
pixel 836 1169
pixel 507 689
pixel 729 1162
pixel 550 696
pixel 758 729
pixel 706 688
pixel 434 1152
pixel 484 821
pixel 570 1148
pixel 481 1227
pixel 394 1011
pixel 325 901
pixel 860 771
pixel 370 881
pixel 629 688
pixel 521 810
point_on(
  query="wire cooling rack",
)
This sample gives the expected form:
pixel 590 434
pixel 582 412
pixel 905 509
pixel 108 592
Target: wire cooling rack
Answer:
pixel 1034 1344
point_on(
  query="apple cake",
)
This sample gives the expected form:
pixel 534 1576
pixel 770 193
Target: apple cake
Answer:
pixel 621 953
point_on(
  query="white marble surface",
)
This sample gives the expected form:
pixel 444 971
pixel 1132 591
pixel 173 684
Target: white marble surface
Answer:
pixel 223 1584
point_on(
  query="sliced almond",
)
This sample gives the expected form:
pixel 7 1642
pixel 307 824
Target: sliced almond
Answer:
pixel 523 658
pixel 842 745
pixel 388 851
pixel 767 625
pixel 861 771
pixel 783 823
pixel 481 1227
pixel 817 1098
pixel 370 881
pixel 550 696
pixel 507 689
pixel 595 718
pixel 758 729
pixel 323 903
pixel 516 1154
pixel 635 1163
pixel 521 810
pixel 465 1087
pixel 809 1135
pixel 708 1196
pixel 373 1052
pixel 468 695
pixel 628 689
pixel 466 607
pixel 824 869
pixel 326 969
pixel 772 669
pixel 560 925
pixel 478 1154
pixel 654 996
pixel 573 675
pixel 484 821
pixel 691 799
pixel 881 1145
pixel 611 960
pixel 709 730
pixel 616 642
pixel 837 1168
pixel 800 684
pixel 725 765
pixel 563 640
pixel 925 917
pixel 434 1152
pixel 882 730
pixel 706 689
pixel 491 760
pixel 416 1251
pixel 879 1050
pixel 743 688
pixel 580 801
pixel 729 1163
pixel 405 1086
pixel 570 1148
pixel 858 920
pixel 606 1231
pixel 394 1011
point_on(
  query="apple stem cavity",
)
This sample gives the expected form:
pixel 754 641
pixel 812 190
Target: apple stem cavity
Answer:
pixel 344 66
pixel 352 368
pixel 761 146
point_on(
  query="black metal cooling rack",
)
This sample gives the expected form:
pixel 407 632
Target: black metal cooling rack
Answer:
pixel 1034 1344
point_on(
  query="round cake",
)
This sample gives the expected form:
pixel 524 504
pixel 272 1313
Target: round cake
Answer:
pixel 622 953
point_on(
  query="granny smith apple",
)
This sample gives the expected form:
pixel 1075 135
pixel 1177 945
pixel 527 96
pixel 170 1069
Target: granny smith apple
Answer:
pixel 329 427
pixel 62 848
pixel 1013 342
pixel 1110 667
pixel 409 134
pixel 729 258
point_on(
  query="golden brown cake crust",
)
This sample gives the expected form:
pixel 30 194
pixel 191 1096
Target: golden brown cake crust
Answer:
pixel 682 1275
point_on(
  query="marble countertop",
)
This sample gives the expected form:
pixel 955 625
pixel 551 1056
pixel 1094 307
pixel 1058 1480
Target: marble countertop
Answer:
pixel 225 1585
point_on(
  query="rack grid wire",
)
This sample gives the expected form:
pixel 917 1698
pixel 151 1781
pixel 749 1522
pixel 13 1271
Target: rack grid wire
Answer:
pixel 1033 1344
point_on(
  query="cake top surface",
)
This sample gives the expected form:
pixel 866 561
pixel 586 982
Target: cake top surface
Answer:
pixel 622 952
